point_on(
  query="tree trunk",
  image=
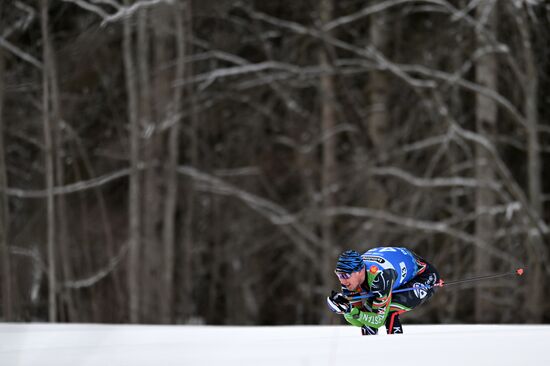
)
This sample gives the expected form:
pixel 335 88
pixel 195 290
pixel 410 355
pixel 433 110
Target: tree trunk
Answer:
pixel 7 310
pixel 149 248
pixel 454 303
pixel 152 151
pixel 62 243
pixel 119 294
pixel 378 86
pixel 134 206
pixel 186 275
pixel 49 162
pixel 377 121
pixel 328 179
pixel 486 119
pixel 536 286
pixel 171 180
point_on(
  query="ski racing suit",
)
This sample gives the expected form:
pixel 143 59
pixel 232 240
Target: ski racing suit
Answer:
pixel 388 269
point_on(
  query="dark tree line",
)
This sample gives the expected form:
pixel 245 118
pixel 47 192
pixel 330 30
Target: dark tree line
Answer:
pixel 177 161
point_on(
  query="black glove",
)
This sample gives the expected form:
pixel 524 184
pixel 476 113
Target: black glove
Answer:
pixel 338 303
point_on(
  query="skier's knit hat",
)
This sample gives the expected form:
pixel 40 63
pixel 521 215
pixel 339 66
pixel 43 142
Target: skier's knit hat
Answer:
pixel 350 261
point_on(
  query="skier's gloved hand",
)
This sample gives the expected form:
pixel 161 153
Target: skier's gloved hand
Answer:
pixel 338 303
pixel 359 318
pixel 352 317
pixel 354 313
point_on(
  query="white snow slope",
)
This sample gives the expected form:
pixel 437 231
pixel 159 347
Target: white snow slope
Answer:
pixel 135 345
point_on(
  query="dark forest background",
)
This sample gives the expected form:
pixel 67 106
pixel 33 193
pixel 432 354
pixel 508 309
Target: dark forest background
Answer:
pixel 206 161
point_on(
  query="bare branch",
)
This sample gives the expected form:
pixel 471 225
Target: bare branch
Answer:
pixel 303 237
pixel 90 7
pixel 507 210
pixel 237 172
pixel 428 226
pixel 452 79
pixel 456 14
pixel 268 79
pixel 369 10
pixel 99 275
pixel 20 53
pixel 129 11
pixel 122 11
pixel 22 23
pixel 432 182
pixel 310 147
pixel 38 269
pixel 370 53
pixel 508 179
pixel 210 77
pixel 70 188
pixel 112 3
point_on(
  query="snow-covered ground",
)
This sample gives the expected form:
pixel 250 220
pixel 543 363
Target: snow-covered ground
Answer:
pixel 117 345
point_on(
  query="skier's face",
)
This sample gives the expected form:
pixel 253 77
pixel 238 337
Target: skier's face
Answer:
pixel 354 280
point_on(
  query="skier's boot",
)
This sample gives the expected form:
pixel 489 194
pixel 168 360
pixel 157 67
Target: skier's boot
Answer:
pixel 393 324
pixel 366 330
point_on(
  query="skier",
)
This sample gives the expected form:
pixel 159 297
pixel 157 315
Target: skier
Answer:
pixel 378 272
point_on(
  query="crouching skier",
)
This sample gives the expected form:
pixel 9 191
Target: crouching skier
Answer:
pixel 378 272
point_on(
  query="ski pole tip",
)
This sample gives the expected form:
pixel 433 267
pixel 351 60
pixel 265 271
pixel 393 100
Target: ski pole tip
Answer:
pixel 519 271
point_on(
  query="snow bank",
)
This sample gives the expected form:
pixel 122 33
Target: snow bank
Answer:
pixel 117 345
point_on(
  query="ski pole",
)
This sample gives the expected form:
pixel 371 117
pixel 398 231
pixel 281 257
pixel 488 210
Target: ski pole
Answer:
pixel 517 272
pixel 440 283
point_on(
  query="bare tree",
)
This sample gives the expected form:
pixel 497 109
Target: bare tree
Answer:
pixel 188 194
pixel 7 312
pixel 378 86
pixel 150 253
pixel 328 125
pixel 486 119
pixel 49 159
pixel 134 204
pixel 62 234
pixel 534 171
pixel 171 176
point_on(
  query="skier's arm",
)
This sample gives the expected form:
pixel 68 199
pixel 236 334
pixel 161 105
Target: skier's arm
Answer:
pixel 381 287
